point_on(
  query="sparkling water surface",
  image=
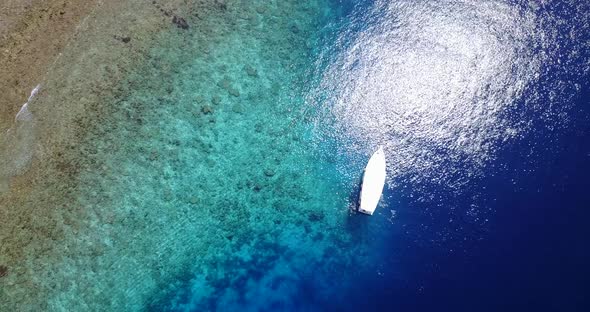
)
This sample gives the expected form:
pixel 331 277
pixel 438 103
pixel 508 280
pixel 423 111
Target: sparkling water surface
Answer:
pixel 220 171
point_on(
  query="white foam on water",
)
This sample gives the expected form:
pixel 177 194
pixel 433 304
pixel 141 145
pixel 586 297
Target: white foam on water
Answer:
pixel 24 114
pixel 34 92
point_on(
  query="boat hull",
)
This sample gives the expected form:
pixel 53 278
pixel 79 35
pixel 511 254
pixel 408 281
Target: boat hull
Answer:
pixel 373 182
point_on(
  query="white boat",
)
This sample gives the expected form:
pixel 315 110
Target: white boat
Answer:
pixel 373 182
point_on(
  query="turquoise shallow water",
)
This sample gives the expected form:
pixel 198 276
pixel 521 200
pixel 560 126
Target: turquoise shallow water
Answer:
pixel 214 164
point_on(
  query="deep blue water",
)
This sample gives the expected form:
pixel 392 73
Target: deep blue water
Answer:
pixel 532 254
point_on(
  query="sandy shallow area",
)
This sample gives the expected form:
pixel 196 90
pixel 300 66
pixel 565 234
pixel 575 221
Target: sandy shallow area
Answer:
pixel 32 34
pixel 77 51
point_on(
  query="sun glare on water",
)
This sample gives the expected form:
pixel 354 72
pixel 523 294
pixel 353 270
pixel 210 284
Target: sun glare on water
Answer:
pixel 433 82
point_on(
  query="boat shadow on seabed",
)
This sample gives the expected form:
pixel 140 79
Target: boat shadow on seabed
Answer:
pixel 356 222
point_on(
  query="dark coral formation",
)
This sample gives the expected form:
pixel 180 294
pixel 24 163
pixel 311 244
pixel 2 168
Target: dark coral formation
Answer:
pixel 315 216
pixel 3 270
pixel 207 109
pixel 251 71
pixel 180 22
pixel 124 39
pixel 269 172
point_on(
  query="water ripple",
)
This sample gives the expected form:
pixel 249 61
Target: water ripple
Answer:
pixel 437 83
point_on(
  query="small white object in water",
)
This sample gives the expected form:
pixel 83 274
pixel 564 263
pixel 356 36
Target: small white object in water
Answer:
pixel 373 182
pixel 393 214
pixel 34 92
pixel 24 114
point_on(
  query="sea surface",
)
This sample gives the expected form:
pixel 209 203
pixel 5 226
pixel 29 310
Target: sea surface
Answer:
pixel 213 163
